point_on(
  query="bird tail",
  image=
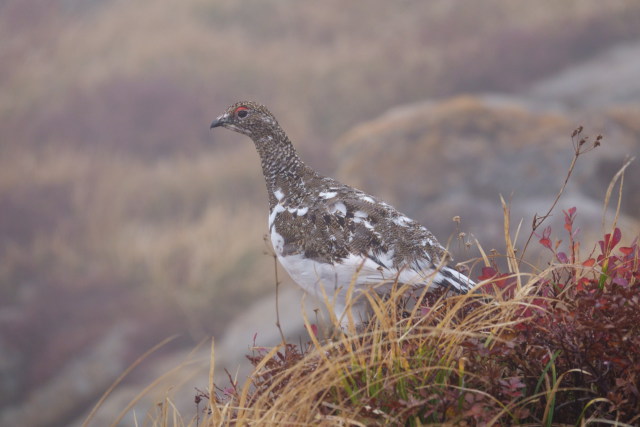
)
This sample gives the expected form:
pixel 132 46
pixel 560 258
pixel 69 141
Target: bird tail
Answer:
pixel 452 279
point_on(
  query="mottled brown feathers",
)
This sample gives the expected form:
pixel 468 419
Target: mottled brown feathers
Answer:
pixel 323 231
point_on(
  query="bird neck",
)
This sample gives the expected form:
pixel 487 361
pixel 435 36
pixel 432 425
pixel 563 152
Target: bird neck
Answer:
pixel 281 165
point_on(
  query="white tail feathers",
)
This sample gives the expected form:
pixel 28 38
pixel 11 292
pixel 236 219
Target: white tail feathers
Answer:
pixel 452 279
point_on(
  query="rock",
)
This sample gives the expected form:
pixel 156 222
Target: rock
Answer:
pixel 456 156
pixel 77 383
pixel 604 81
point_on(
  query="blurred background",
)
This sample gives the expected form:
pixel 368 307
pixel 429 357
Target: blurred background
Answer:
pixel 124 220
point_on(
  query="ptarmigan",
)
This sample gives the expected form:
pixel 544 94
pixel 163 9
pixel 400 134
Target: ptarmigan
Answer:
pixel 329 236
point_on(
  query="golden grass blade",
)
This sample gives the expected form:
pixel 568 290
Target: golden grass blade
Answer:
pixel 314 338
pixel 551 394
pixel 146 390
pixel 213 405
pixel 122 377
pixel 511 253
pixel 485 258
pixel 599 421
pixel 245 389
pixel 618 176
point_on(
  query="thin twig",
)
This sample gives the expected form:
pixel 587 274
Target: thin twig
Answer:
pixel 618 176
pixel 275 267
pixel 270 251
pixel 122 376
pixel 578 149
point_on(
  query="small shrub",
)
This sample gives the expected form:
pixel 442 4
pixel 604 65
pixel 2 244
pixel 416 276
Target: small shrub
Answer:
pixel 561 349
pixel 556 346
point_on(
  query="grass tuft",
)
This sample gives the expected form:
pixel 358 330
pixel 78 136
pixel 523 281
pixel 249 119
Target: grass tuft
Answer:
pixel 558 349
pixel 554 345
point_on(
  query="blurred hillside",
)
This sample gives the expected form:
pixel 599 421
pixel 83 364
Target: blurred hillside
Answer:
pixel 495 145
pixel 124 221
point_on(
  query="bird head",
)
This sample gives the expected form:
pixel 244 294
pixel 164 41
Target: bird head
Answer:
pixel 248 118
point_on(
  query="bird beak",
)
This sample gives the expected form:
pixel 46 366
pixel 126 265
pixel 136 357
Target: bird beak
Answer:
pixel 220 121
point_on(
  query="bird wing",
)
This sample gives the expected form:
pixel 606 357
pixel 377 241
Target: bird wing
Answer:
pixel 382 242
pixel 357 233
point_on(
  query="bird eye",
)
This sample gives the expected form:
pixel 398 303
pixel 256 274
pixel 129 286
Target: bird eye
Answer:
pixel 242 112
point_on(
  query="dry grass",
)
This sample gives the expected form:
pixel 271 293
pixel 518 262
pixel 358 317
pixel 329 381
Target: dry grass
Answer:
pixel 509 353
pixel 322 387
pixel 132 225
pixel 226 51
pixel 400 371
pixel 105 183
pixel 470 358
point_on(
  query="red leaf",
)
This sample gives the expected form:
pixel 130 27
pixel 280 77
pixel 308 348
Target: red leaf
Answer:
pixel 589 263
pixel 626 250
pixel 558 243
pixel 621 281
pixel 562 257
pixel 546 243
pixel 487 273
pixel 569 216
pixel 545 240
pixel 582 284
pixel 617 236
